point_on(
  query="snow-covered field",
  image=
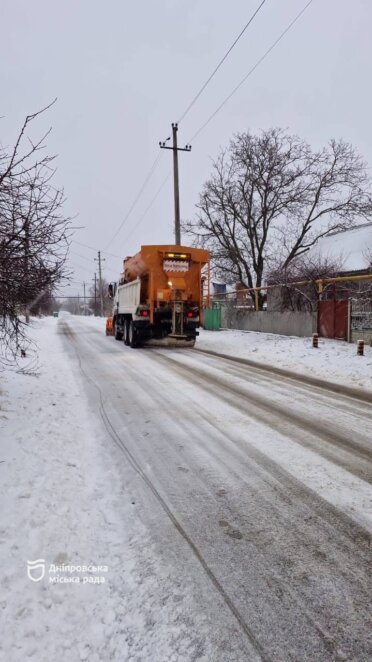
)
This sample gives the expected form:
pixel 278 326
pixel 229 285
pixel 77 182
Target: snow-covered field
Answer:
pixel 334 360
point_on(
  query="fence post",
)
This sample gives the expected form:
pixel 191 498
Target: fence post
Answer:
pixel 349 305
pixel 360 348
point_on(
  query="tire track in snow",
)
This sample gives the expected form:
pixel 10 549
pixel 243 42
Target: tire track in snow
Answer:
pixel 317 382
pixel 305 494
pixel 138 469
pixel 269 409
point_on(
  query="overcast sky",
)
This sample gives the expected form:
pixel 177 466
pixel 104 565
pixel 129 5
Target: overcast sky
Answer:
pixel 123 71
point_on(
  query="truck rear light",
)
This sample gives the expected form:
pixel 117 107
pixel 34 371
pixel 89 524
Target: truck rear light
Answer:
pixel 178 256
pixel 193 313
pixel 143 313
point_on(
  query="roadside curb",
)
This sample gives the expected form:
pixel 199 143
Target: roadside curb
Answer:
pixel 350 391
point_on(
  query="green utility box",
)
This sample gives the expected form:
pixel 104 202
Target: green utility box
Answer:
pixel 212 318
pixel 55 314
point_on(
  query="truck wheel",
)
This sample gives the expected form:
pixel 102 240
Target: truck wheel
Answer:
pixel 118 335
pixel 132 334
pixel 126 332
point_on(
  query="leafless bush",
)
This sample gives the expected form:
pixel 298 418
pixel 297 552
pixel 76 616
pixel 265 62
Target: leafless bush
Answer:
pixel 34 233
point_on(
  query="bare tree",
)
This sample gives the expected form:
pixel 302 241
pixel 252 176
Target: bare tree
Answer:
pixel 271 197
pixel 34 232
pixel 297 288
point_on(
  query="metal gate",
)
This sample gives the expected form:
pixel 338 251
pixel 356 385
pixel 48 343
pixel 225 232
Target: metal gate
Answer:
pixel 212 318
pixel 361 320
pixel 332 319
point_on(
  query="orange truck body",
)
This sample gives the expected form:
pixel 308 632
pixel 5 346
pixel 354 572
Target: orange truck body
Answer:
pixel 160 294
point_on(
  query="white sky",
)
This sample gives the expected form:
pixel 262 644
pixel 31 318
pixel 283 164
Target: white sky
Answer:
pixel 123 71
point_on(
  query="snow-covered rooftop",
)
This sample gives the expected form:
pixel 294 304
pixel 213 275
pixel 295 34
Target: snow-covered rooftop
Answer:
pixel 353 248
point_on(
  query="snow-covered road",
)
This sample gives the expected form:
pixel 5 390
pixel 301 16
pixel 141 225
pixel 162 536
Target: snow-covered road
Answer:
pixel 231 505
pixel 256 491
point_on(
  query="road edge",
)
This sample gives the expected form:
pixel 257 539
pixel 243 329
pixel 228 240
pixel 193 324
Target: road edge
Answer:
pixel 350 391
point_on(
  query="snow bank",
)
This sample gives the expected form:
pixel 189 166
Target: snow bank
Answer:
pixel 334 360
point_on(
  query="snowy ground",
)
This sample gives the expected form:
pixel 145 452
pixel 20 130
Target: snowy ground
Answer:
pixel 227 510
pixel 334 360
pixel 63 501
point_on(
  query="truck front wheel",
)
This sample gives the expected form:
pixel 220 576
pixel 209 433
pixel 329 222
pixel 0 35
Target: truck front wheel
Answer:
pixel 132 334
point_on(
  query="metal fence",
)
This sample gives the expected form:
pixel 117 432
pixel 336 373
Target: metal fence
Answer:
pixel 361 319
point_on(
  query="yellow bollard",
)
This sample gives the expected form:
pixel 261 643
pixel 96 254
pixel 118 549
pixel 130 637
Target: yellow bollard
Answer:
pixel 315 340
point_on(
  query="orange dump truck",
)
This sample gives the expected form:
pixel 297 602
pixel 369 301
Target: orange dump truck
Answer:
pixel 158 299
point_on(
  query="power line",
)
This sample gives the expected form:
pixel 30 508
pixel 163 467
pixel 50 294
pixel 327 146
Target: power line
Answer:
pixel 196 97
pixel 85 268
pixel 93 248
pixel 83 257
pixel 72 282
pixel 91 260
pixel 148 207
pixel 193 101
pixel 250 72
pixel 155 163
pixel 147 179
pixel 80 266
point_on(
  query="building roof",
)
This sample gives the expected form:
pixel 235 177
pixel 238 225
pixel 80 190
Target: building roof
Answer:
pixel 352 248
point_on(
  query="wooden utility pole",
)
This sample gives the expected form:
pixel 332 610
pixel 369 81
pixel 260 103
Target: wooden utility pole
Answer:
pixel 100 284
pixel 95 295
pixel 176 149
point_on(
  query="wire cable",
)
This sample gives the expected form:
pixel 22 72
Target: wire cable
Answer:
pixel 148 207
pixel 83 257
pixel 193 101
pixel 210 118
pixel 147 179
pixel 82 267
pixel 250 72
pixel 76 267
pixel 93 248
pixel 196 97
